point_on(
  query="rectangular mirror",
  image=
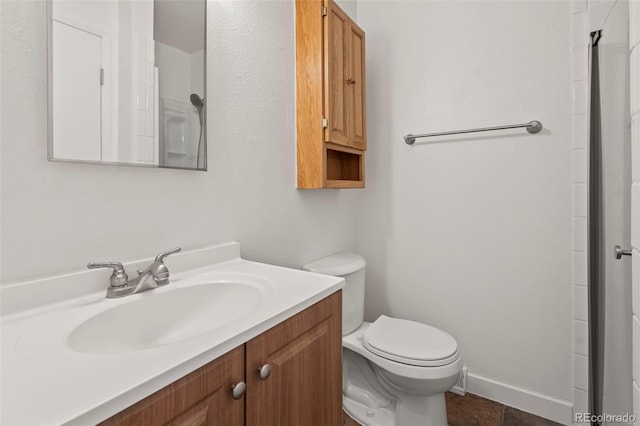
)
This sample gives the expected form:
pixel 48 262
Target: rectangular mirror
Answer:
pixel 127 82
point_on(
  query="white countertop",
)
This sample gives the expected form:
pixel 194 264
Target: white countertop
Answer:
pixel 44 382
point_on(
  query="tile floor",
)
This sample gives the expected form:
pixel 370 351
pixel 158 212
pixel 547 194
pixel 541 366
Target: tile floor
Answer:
pixel 472 410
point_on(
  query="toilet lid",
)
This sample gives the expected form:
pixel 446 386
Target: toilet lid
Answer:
pixel 410 342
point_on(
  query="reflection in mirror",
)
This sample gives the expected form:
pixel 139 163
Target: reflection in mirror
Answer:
pixel 127 82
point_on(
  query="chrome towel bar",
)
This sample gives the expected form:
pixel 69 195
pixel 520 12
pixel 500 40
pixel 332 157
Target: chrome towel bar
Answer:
pixel 532 127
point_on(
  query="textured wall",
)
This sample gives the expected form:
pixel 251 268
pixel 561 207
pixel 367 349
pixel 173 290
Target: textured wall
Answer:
pixel 56 217
pixel 474 234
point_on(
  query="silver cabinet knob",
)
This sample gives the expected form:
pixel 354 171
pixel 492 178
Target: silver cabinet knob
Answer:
pixel 618 252
pixel 238 390
pixel 264 371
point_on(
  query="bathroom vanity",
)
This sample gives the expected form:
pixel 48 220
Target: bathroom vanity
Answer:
pixel 226 342
pixel 288 375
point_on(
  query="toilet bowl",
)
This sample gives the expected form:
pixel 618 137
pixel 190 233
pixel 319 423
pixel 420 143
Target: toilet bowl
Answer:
pixel 395 371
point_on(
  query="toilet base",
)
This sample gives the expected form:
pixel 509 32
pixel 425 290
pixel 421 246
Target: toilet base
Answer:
pixel 368 416
pixel 372 401
pixel 363 396
pixel 416 411
pixel 421 410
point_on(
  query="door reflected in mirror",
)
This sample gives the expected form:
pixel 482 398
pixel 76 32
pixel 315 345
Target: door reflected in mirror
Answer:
pixel 127 82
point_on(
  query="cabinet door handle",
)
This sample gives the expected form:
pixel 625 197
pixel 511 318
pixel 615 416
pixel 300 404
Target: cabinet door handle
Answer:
pixel 351 81
pixel 264 371
pixel 238 390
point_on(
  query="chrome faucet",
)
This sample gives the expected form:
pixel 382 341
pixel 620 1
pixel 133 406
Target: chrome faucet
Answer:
pixel 154 275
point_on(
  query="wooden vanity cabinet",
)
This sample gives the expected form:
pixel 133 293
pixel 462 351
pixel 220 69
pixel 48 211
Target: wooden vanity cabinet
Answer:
pixel 304 386
pixel 304 354
pixel 202 398
pixel 330 97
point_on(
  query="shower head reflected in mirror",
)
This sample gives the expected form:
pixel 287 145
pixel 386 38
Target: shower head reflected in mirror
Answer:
pixel 201 159
pixel 197 101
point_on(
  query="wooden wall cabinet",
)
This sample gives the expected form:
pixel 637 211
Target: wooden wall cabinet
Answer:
pixel 330 97
pixel 304 387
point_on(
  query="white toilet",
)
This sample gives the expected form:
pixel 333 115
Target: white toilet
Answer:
pixel 395 372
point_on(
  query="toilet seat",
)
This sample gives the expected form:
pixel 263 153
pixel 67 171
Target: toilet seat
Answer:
pixel 353 341
pixel 410 342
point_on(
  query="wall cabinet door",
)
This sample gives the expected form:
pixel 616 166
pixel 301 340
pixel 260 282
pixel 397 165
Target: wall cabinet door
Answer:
pixel 202 398
pixel 304 355
pixel 356 90
pixel 336 64
pixel 344 80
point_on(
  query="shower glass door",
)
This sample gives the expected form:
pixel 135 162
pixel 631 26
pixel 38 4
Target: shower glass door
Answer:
pixel 615 125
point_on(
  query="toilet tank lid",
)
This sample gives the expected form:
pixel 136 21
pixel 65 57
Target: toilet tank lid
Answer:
pixel 337 265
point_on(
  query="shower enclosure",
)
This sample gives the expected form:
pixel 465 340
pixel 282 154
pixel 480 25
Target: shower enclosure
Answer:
pixel 610 312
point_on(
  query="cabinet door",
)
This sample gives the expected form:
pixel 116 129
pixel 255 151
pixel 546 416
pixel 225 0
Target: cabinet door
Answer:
pixel 202 398
pixel 357 83
pixel 305 383
pixel 336 63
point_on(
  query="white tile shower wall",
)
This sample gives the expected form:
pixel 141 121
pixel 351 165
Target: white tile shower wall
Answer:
pixel 450 208
pixel 635 287
pixel 635 68
pixel 58 216
pixel 635 147
pixel 634 46
pixel 580 336
pixel 581 401
pixel 580 302
pixel 580 368
pixel 634 27
pixel 580 200
pixel 580 123
pixel 578 6
pixel 579 76
pixel 580 269
pixel 143 83
pixel 636 402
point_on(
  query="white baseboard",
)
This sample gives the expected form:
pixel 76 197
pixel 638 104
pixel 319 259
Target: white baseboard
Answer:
pixel 541 405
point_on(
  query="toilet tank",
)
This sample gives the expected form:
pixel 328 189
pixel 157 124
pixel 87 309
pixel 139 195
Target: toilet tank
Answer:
pixel 349 266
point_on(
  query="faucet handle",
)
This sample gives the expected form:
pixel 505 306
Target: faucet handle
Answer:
pixel 119 277
pixel 158 269
pixel 160 258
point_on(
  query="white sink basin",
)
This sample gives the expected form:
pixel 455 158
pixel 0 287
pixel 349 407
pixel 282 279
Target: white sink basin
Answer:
pixel 157 319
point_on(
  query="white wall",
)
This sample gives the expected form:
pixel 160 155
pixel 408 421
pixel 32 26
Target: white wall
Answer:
pixel 57 217
pixel 174 68
pixel 197 72
pixel 473 235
